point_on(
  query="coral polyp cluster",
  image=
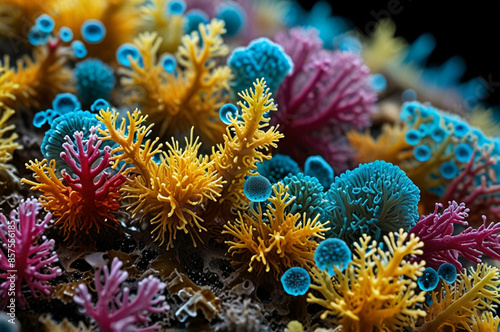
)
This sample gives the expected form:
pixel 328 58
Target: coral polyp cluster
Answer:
pixel 239 166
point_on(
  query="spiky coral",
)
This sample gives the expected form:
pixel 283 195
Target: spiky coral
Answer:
pixel 441 246
pixel 25 260
pixel 189 97
pixel 115 309
pixel 377 291
pixel 170 27
pixel 7 86
pixel 460 305
pixel 39 79
pixel 7 143
pixel 176 190
pixel 83 203
pixel 120 17
pixel 274 240
pixel 245 143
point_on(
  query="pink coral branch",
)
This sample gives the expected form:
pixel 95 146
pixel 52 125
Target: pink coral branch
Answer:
pixel 442 246
pixel 33 257
pixel 115 309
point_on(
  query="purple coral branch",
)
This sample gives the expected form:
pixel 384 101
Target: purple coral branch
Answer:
pixel 22 235
pixel 441 246
pixel 115 309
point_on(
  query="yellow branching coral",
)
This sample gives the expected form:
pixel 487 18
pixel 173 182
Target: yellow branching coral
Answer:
pixel 377 291
pixel 191 96
pixel 488 322
pixel 40 79
pixel 460 305
pixel 7 86
pixel 383 46
pixel 274 240
pixel 170 27
pixel 176 190
pixel 7 147
pixel 245 143
pixel 120 17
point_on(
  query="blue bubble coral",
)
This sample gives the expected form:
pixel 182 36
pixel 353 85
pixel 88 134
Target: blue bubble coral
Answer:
pixel 65 103
pixel 79 49
pixel 176 7
pixel 127 52
pixel 318 167
pixel 226 110
pixel 45 23
pixel 168 63
pixel 93 31
pixel 257 188
pixel 373 199
pixel 37 37
pixel 66 34
pixel 278 167
pixel 429 280
pixel 309 197
pixel 194 18
pixel 233 16
pixel 447 272
pixel 332 252
pixel 262 58
pixel 296 281
pixel 94 80
pixel 66 125
pixel 99 104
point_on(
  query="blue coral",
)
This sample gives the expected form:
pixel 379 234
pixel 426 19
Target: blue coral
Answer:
pixel 447 272
pixel 373 199
pixel 296 281
pixel 262 58
pixel 45 23
pixel 233 16
pixel 79 49
pixel 65 125
pixel 93 31
pixel 194 18
pixel 318 167
pixel 309 196
pixel 257 188
pixel 332 252
pixel 278 167
pixel 94 79
pixel 429 279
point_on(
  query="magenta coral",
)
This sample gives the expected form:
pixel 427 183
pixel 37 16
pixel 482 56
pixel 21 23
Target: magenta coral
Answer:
pixel 116 310
pixel 327 94
pixel 441 246
pixel 26 256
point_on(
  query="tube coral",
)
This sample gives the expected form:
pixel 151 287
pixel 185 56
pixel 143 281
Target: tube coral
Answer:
pixel 378 288
pixel 274 240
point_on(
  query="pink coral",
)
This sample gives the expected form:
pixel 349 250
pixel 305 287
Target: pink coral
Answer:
pixel 115 309
pixel 25 256
pixel 441 246
pixel 327 94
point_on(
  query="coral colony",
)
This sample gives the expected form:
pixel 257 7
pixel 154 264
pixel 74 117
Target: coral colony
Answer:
pixel 190 165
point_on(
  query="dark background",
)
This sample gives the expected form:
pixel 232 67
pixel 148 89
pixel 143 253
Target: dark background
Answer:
pixel 470 29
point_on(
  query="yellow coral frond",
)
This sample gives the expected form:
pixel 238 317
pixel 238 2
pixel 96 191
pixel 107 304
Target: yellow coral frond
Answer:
pixel 190 97
pixel 377 290
pixel 274 240
pixel 7 86
pixel 459 305
pixel 488 322
pixel 40 79
pixel 169 27
pixel 246 142
pixel 7 143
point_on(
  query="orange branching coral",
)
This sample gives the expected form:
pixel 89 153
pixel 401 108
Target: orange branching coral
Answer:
pixel 84 201
pixel 170 27
pixel 121 18
pixel 459 306
pixel 488 322
pixel 40 79
pixel 377 291
pixel 274 240
pixel 176 190
pixel 245 143
pixel 191 96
